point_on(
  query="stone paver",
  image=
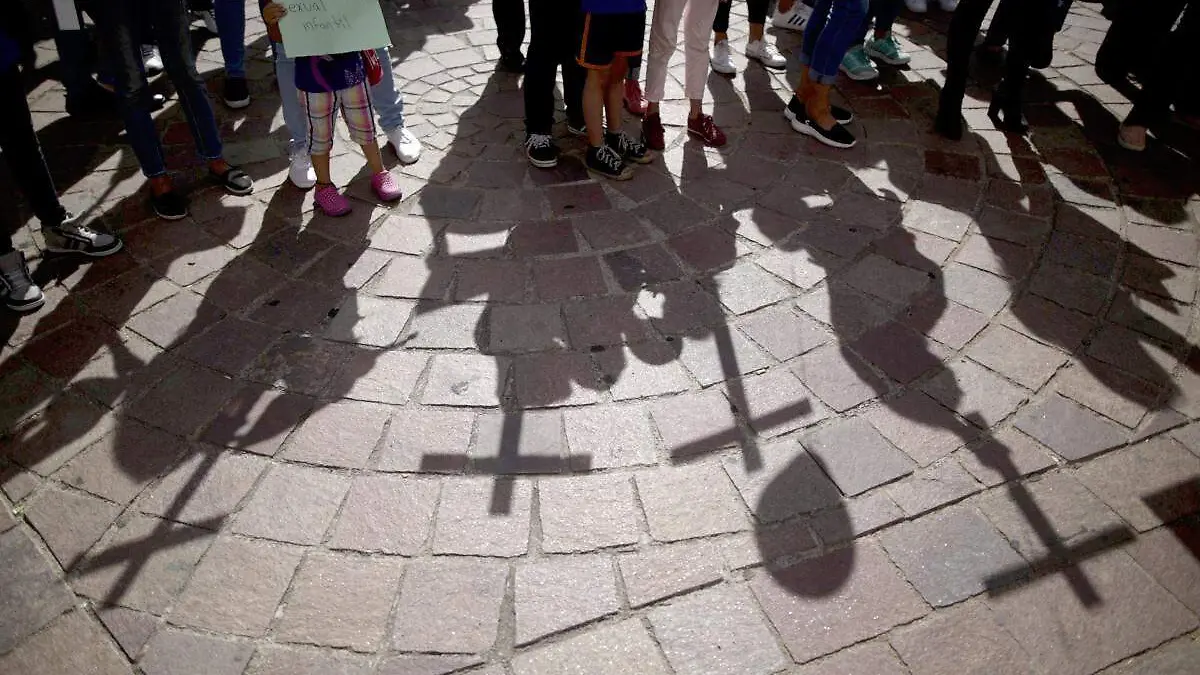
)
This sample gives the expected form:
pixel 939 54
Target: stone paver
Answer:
pixel 950 555
pixel 562 592
pixel 716 630
pixel 916 407
pixel 821 605
pixel 1057 630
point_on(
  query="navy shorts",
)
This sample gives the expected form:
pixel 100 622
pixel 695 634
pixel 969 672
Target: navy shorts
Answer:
pixel 607 36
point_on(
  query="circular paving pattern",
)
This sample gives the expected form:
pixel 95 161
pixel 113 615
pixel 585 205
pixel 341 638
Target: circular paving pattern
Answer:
pixel 754 407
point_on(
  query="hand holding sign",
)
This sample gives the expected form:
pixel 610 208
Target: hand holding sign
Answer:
pixel 321 27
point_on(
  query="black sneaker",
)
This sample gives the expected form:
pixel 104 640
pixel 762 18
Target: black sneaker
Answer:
pixel 606 162
pixel 629 149
pixel 835 137
pixel 512 63
pixel 169 205
pixel 237 94
pixel 234 180
pixel 795 110
pixel 541 151
pixel 73 236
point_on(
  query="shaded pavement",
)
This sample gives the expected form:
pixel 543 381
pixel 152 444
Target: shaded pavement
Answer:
pixel 917 407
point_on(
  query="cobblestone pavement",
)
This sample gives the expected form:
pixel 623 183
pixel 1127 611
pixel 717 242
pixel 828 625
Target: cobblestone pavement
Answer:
pixel 918 407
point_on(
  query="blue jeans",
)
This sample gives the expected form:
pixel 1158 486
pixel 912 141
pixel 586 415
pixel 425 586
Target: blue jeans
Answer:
pixel 834 26
pixel 388 102
pixel 231 30
pixel 119 22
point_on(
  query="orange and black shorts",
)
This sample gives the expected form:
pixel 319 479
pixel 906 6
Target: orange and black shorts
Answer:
pixel 606 36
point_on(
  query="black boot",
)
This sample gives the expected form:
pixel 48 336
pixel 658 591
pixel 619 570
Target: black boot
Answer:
pixel 1005 110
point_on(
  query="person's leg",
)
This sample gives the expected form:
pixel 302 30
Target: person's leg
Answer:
pixel 696 25
pixel 720 24
pixel 756 11
pixel 964 28
pixel 1001 26
pixel 389 102
pixel 664 36
pixel 614 93
pixel 231 30
pixel 23 153
pixel 118 28
pixel 574 75
pixel 541 64
pixel 1152 106
pixel 293 113
pixel 174 43
pixel 594 92
pixel 510 29
pixel 843 26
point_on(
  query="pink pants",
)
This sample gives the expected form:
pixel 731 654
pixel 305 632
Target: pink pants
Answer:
pixel 697 16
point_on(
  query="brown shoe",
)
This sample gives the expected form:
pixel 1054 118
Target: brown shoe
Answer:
pixel 705 129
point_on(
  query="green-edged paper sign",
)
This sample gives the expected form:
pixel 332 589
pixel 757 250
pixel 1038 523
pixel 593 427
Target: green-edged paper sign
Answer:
pixel 320 27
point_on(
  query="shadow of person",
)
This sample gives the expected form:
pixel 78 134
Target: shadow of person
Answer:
pixel 531 288
pixel 282 330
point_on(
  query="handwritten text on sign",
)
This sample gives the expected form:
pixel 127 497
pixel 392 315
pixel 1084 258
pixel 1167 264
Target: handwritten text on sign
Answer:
pixel 320 27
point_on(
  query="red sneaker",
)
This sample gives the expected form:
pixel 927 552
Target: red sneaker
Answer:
pixel 703 128
pixel 635 102
pixel 652 132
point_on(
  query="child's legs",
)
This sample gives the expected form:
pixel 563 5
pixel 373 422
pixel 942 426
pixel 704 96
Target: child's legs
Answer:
pixel 614 93
pixel 359 114
pixel 319 109
pixel 696 23
pixel 664 35
pixel 594 91
pixel 294 117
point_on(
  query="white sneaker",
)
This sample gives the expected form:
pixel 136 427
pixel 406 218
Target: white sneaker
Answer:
pixel 721 58
pixel 948 5
pixel 406 146
pixel 918 6
pixel 152 60
pixel 301 171
pixel 765 53
pixel 20 293
pixel 210 21
pixel 793 19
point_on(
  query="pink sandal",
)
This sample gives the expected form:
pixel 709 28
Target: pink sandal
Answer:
pixel 331 201
pixel 384 184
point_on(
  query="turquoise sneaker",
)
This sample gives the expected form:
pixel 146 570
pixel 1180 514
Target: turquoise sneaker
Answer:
pixel 887 50
pixel 857 66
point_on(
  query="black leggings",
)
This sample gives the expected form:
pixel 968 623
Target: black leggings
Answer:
pixel 757 10
pixel 960 43
pixel 24 156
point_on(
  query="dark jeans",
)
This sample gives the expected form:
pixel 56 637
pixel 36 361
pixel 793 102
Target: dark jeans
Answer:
pixel 549 48
pixel 1173 65
pixel 1002 24
pixel 23 153
pixel 883 13
pixel 510 25
pixel 960 43
pixel 118 22
pixel 755 9
pixel 1135 26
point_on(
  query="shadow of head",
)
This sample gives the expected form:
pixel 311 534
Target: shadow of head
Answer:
pixel 783 536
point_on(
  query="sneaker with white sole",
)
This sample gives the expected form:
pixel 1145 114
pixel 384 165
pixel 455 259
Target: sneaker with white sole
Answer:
pixel 795 18
pixel 405 145
pixel 541 151
pixel 74 236
pixel 721 58
pixel 917 6
pixel 20 293
pixel 301 171
pixel 765 53
pixel 151 59
pixel 857 66
pixel 888 50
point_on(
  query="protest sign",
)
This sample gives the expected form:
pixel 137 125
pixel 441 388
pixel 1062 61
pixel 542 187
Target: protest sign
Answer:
pixel 320 27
